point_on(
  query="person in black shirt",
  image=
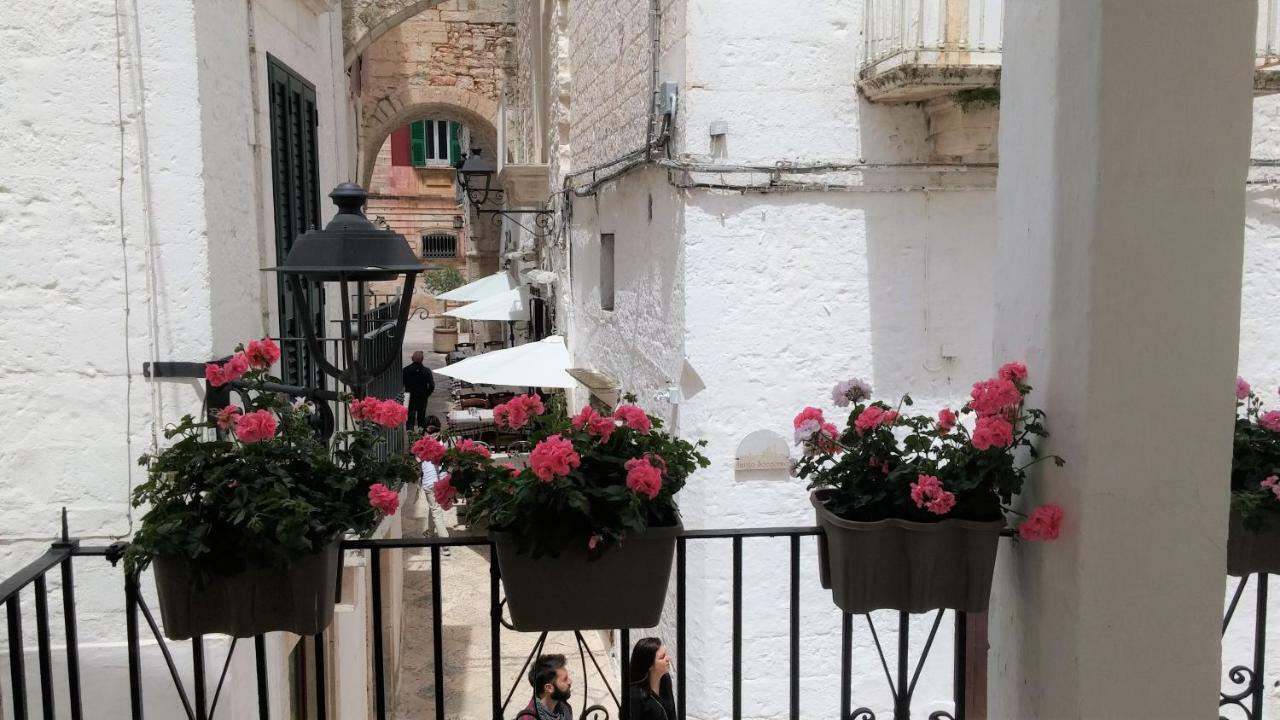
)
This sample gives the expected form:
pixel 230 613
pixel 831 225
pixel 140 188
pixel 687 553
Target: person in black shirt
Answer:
pixel 649 690
pixel 419 383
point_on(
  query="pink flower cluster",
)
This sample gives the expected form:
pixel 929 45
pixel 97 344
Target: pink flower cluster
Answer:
pixel 644 477
pixel 444 491
pixel 597 425
pixel 927 493
pixel 1272 483
pixel 992 431
pixel 996 401
pixel 471 446
pixel 633 417
pixel 946 420
pixel 1044 523
pixel 256 426
pixel 516 412
pixel 553 457
pixel 1270 420
pixel 262 353
pixel 384 498
pixel 429 449
pixel 228 417
pixel 1242 388
pixel 873 417
pixel 852 390
pixel 994 397
pixel 387 413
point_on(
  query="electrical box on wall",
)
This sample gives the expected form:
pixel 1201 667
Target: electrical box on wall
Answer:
pixel 670 94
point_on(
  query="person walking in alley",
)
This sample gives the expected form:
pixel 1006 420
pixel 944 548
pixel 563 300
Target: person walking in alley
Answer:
pixel 419 383
pixel 436 526
pixel 552 688
pixel 649 692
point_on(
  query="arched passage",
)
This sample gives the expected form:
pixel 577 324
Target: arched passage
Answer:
pixel 478 113
pixel 364 21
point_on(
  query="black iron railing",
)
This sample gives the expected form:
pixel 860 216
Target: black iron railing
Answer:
pixel 1244 699
pixel 200 704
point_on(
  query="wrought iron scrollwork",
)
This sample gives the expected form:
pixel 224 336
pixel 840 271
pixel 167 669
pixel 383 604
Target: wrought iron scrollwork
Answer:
pixel 941 715
pixel 862 714
pixel 596 712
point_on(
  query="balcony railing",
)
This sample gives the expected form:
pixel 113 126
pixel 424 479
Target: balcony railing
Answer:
pixel 192 696
pixel 920 49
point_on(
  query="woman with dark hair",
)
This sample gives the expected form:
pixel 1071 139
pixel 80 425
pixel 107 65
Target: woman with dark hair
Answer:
pixel 649 692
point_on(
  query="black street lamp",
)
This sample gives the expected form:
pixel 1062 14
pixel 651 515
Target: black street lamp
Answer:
pixel 475 176
pixel 350 249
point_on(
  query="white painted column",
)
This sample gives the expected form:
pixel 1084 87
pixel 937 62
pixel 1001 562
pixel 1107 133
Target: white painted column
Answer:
pixel 1124 146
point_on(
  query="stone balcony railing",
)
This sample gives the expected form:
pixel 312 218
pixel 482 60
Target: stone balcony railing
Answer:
pixel 921 49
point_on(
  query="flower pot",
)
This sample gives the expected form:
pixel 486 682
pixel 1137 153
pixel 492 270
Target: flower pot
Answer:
pixel 443 339
pixel 902 565
pixel 1252 552
pixel 297 597
pixel 624 588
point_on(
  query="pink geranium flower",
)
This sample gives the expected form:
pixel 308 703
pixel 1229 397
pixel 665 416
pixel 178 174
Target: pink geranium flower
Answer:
pixel 516 412
pixel 429 449
pixel 633 417
pixel 256 426
pixel 228 417
pixel 1044 523
pixel 262 353
pixel 444 491
pixel 1242 388
pixel 215 375
pixel 992 431
pixel 873 417
pixel 363 408
pixel 1270 420
pixel 1013 372
pixel 471 446
pixel 643 477
pixel 927 493
pixel 388 413
pixel 809 414
pixel 994 397
pixel 593 542
pixel 553 457
pixel 236 367
pixel 946 420
pixel 1272 483
pixel 384 498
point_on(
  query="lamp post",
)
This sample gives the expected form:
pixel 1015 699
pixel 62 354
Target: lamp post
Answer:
pixel 476 178
pixel 351 250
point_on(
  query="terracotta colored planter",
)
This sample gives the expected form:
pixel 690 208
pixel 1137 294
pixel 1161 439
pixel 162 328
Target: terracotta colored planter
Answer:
pixel 1251 552
pixel 624 588
pixel 297 597
pixel 903 565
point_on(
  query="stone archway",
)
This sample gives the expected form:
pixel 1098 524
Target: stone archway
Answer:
pixel 364 21
pixel 386 114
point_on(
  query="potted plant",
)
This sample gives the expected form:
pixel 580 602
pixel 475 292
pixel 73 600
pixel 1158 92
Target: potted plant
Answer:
pixel 912 506
pixel 584 535
pixel 1253 541
pixel 244 513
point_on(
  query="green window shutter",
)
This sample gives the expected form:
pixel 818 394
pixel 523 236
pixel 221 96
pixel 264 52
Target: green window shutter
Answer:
pixel 418 143
pixel 455 150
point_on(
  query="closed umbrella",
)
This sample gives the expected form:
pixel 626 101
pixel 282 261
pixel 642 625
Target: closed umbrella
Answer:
pixel 538 364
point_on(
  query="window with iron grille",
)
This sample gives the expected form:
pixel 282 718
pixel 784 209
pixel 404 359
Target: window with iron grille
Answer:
pixel 439 245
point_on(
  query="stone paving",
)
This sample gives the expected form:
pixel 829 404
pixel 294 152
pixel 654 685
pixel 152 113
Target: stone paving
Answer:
pixel 465 601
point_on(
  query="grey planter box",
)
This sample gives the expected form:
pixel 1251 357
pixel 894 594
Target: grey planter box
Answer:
pixel 625 588
pixel 903 565
pixel 298 598
pixel 1251 552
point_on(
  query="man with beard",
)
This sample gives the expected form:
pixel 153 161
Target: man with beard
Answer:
pixel 552 687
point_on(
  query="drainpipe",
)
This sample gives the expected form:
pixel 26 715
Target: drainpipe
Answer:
pixel 655 37
pixel 255 148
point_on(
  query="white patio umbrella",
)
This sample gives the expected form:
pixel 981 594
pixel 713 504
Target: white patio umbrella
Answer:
pixel 539 364
pixel 507 306
pixel 480 289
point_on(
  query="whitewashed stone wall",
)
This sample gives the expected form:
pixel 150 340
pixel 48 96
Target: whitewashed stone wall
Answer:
pixel 159 224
